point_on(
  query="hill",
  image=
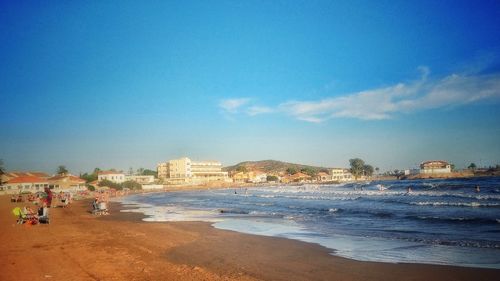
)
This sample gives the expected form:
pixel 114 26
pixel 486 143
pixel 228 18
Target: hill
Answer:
pixel 271 166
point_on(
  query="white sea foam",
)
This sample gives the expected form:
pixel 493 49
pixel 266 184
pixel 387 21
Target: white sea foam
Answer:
pixel 457 204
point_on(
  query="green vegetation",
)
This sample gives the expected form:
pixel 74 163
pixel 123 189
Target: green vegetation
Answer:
pixel 90 177
pixel 2 171
pixel 472 166
pixel 110 184
pixel 272 178
pixel 131 185
pixel 241 169
pixel 120 186
pixel 291 171
pixel 61 170
pixel 147 172
pixel 309 171
pixel 359 168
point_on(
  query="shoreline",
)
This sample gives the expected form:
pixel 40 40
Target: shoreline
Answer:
pixel 80 246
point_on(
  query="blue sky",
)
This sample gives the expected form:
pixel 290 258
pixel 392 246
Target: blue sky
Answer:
pixel 119 84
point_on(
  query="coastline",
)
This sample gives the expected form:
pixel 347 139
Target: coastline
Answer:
pixel 80 246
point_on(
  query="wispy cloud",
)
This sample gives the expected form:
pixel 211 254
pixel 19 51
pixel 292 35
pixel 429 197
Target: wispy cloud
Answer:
pixel 385 102
pixel 232 105
pixel 256 110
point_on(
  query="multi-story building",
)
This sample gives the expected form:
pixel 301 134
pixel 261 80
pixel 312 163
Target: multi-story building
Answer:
pixel 184 170
pixel 341 175
pixel 435 167
pixel 113 176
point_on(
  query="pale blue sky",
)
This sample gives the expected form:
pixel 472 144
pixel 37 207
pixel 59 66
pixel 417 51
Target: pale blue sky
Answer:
pixel 119 84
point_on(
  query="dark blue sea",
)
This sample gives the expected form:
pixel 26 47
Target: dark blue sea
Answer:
pixel 438 222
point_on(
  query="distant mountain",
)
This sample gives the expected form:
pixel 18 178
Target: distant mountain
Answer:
pixel 271 166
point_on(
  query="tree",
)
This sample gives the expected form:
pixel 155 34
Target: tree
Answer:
pixel 377 169
pixel 110 184
pixel 291 171
pixel 452 167
pixel 89 177
pixel 130 171
pixel 368 170
pixel 2 171
pixel 61 170
pixel 272 178
pixel 131 185
pixel 241 169
pixel 472 166
pixel 308 171
pixel 148 172
pixel 140 171
pixel 357 167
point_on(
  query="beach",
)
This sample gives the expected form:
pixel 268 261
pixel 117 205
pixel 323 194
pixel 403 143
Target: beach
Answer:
pixel 80 246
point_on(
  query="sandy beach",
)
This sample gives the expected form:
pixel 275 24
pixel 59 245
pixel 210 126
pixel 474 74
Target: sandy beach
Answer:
pixel 80 246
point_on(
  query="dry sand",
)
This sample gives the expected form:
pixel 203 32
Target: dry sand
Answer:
pixel 80 246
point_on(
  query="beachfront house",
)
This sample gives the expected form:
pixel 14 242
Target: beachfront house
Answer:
pixel 113 176
pixel 341 175
pixel 25 184
pixel 435 167
pixel 186 171
pixel 66 182
pixel 297 178
pixel 322 177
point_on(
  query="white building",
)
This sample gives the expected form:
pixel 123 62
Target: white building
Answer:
pixel 113 176
pixel 183 170
pixel 435 167
pixel 341 175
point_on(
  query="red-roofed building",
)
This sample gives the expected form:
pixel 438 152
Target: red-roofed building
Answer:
pixel 66 182
pixel 297 177
pixel 322 176
pixel 10 175
pixel 26 183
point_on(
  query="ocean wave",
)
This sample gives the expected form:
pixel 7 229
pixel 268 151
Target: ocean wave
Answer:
pixel 455 219
pixel 456 204
pixel 457 243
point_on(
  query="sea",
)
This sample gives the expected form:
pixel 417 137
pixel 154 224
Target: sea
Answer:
pixel 437 221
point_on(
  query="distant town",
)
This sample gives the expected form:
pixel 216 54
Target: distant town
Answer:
pixel 185 172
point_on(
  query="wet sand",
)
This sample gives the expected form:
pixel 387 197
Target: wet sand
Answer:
pixel 80 246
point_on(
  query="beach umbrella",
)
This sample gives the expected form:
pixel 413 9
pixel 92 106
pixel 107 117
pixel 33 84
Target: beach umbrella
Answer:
pixel 41 194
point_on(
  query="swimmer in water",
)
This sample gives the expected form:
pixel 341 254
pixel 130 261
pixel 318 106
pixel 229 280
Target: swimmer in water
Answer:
pixel 477 188
pixel 409 189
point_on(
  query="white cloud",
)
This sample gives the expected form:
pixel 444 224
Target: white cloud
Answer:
pixel 384 103
pixel 232 105
pixel 256 110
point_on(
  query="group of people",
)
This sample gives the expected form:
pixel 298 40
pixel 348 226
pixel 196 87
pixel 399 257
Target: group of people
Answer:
pixel 100 204
pixel 28 216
